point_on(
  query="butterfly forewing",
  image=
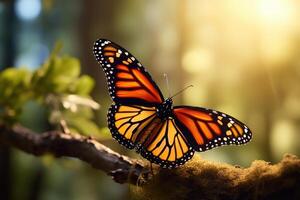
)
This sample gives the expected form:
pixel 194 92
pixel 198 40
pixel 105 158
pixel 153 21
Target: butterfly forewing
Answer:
pixel 128 81
pixel 206 129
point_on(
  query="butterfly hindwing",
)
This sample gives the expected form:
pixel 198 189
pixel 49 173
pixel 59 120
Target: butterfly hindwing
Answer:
pixel 128 81
pixel 126 123
pixel 166 146
pixel 206 129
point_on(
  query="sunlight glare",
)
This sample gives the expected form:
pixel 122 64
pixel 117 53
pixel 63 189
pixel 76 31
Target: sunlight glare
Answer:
pixel 274 11
pixel 197 60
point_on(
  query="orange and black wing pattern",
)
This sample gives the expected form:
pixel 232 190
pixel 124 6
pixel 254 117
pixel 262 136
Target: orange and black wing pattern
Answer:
pixel 166 145
pixel 159 141
pixel 128 123
pixel 142 119
pixel 128 81
pixel 206 129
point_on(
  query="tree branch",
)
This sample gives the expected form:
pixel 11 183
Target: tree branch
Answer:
pixel 121 168
pixel 197 179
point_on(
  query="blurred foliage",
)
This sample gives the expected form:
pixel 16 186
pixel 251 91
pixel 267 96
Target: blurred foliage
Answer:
pixel 56 85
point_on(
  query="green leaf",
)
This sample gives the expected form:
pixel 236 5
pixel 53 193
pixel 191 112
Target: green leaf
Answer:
pixel 12 78
pixel 57 84
pixel 70 67
pixel 84 85
pixel 14 92
pixel 57 75
pixel 65 66
pixel 14 85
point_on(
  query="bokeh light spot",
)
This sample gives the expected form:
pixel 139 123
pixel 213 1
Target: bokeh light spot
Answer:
pixel 28 9
pixel 197 60
pixel 284 138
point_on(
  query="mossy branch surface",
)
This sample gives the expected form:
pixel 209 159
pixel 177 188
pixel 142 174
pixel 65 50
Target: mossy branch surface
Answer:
pixel 205 180
pixel 197 179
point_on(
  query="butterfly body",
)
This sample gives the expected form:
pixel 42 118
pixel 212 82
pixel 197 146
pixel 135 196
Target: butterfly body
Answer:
pixel 164 110
pixel 142 119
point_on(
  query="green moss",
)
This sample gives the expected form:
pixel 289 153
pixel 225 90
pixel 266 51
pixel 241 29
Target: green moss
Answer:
pixel 201 179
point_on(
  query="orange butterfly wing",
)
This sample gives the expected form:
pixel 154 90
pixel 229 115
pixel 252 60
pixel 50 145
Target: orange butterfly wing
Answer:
pixel 128 123
pixel 166 145
pixel 159 141
pixel 128 81
pixel 206 129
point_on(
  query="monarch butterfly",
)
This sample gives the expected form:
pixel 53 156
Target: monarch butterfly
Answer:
pixel 141 118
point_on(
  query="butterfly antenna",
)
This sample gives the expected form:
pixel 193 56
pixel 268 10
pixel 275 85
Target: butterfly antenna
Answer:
pixel 168 86
pixel 180 91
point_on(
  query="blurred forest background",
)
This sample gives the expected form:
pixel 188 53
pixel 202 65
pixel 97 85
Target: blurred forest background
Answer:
pixel 243 58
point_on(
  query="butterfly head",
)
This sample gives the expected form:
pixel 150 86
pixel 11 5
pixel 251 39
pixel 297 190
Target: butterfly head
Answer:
pixel 164 110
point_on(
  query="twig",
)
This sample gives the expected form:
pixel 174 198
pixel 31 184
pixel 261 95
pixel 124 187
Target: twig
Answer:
pixel 121 168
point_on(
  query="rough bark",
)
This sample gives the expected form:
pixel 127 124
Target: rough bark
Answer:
pixel 121 168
